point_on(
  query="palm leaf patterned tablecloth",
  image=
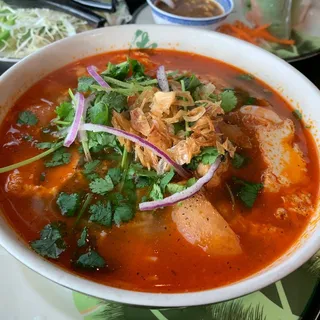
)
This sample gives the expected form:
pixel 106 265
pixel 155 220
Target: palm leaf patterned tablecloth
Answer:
pixel 285 300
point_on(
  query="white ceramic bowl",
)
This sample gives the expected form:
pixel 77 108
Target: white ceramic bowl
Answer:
pixel 210 23
pixel 280 75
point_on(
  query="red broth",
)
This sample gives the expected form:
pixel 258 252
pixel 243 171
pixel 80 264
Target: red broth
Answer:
pixel 151 255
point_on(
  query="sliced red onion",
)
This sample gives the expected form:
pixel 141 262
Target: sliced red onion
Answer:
pixel 136 139
pixel 83 137
pixel 74 128
pixel 162 79
pixel 185 194
pixel 92 70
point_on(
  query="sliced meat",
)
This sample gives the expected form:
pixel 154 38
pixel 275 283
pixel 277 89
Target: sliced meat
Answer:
pixel 216 179
pixel 25 181
pixel 285 162
pixel 235 134
pixel 202 225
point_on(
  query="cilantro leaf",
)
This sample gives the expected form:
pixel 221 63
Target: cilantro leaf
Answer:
pixel 246 76
pixel 175 187
pixel 59 157
pixel 156 193
pixel 89 169
pixel 228 100
pixel 166 178
pixel 238 161
pixel 297 114
pixel 91 166
pixel 90 260
pixel 248 192
pixel 117 71
pixel 115 175
pixel 65 111
pixel 100 140
pixel 68 203
pixel 143 182
pixel 115 101
pixel 51 244
pixel 27 118
pixel 191 182
pixel 83 238
pixel 208 155
pixel 191 83
pixel 84 83
pixel 99 113
pixel 101 214
pixel 101 185
pixel 123 213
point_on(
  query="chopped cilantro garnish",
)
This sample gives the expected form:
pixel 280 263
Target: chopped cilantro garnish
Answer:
pixel 99 113
pixel 191 83
pixel 90 260
pixel 84 83
pixel 191 182
pixel 59 157
pixel 101 185
pixel 65 111
pixel 238 161
pixel 208 155
pixel 248 192
pixel 83 238
pixel 68 203
pixel 143 182
pixel 166 178
pixel 51 244
pixel 101 214
pixel 115 175
pixel 137 68
pixel 27 118
pixel 175 187
pixel 114 101
pixel 228 100
pixel 90 167
pixel 123 213
pixel 117 71
pixel 156 193
pixel 100 140
pixel 246 76
pixel 87 200
pixel 297 114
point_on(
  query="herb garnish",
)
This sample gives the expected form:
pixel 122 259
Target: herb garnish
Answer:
pixel 248 192
pixel 51 243
pixel 27 118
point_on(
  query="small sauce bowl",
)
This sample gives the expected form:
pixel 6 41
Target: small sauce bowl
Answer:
pixel 211 23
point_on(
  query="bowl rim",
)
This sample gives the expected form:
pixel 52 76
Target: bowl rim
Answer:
pixel 20 250
pixel 182 18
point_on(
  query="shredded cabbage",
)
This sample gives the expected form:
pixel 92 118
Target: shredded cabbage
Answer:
pixel 23 31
